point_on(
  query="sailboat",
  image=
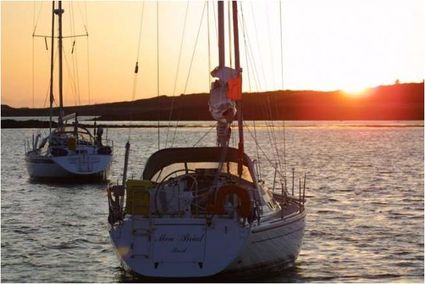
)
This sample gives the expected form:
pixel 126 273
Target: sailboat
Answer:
pixel 203 211
pixel 70 150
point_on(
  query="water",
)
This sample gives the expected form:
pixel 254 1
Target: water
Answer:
pixel 365 190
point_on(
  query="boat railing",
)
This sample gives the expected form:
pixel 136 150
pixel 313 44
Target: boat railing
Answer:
pixel 140 198
pixel 283 196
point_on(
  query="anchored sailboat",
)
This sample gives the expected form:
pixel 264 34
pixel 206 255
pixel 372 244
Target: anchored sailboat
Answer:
pixel 69 150
pixel 201 211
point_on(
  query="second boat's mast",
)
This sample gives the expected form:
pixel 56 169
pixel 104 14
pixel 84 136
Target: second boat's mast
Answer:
pixel 59 12
pixel 51 66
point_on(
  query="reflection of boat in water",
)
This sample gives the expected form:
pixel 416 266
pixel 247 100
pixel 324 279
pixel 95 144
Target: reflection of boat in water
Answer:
pixel 70 150
pixel 202 211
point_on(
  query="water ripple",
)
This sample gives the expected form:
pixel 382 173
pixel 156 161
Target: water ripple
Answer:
pixel 365 205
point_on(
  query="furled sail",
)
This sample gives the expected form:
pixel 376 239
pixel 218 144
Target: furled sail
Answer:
pixel 221 106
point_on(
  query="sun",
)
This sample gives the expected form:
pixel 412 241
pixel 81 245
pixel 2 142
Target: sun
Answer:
pixel 355 91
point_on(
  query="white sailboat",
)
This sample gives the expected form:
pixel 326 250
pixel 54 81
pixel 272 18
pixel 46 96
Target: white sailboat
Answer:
pixel 70 150
pixel 203 211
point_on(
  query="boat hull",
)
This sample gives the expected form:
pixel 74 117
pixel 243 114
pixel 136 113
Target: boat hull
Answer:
pixel 273 246
pixel 178 247
pixel 40 167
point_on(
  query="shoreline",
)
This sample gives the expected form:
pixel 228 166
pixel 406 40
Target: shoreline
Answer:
pixel 38 124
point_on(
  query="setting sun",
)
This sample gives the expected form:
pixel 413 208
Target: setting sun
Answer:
pixel 355 91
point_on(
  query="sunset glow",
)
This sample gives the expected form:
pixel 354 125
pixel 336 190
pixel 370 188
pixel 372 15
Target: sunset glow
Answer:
pixel 327 45
pixel 355 91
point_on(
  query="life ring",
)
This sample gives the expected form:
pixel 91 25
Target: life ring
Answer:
pixel 243 195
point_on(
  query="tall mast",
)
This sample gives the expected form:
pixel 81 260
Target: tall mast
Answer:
pixel 51 65
pixel 59 12
pixel 221 54
pixel 238 69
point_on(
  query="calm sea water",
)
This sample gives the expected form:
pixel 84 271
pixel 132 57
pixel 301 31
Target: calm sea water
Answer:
pixel 365 190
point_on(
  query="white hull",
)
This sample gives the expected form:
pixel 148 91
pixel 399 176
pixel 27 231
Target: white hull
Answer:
pixel 271 244
pixel 69 166
pixel 178 247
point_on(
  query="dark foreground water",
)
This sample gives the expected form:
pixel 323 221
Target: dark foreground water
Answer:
pixel 365 189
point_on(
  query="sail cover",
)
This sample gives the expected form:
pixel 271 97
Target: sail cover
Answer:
pixel 221 106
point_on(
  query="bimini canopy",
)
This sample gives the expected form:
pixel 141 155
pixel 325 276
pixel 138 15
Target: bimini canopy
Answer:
pixel 161 163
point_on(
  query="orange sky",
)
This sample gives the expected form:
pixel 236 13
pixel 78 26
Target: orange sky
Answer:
pixel 328 44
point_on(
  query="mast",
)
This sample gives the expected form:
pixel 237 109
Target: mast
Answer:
pixel 51 66
pixel 221 57
pixel 238 69
pixel 59 12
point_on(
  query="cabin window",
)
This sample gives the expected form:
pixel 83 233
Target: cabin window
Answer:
pixel 181 168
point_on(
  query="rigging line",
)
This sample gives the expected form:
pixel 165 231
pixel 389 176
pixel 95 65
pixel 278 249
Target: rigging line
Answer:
pixel 88 70
pixel 209 45
pixel 268 112
pixel 270 43
pixel 131 111
pixel 190 66
pixel 283 85
pixel 215 20
pixel 33 13
pixel 281 42
pixel 74 59
pixel 257 152
pixel 273 165
pixel 86 15
pixel 53 66
pixel 86 26
pixel 272 126
pixel 251 65
pixel 250 52
pixel 255 74
pixel 35 23
pixel 193 56
pixel 82 16
pixel 140 33
pixel 272 131
pixel 250 90
pixel 194 48
pixel 157 70
pixel 136 70
pixel 33 57
pixel 175 131
pixel 33 73
pixel 246 51
pixel 35 20
pixel 203 136
pixel 258 45
pixel 47 95
pixel 71 79
pixel 177 74
pixel 48 85
pixel 284 148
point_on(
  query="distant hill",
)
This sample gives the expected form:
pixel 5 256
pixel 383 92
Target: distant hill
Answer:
pixel 395 102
